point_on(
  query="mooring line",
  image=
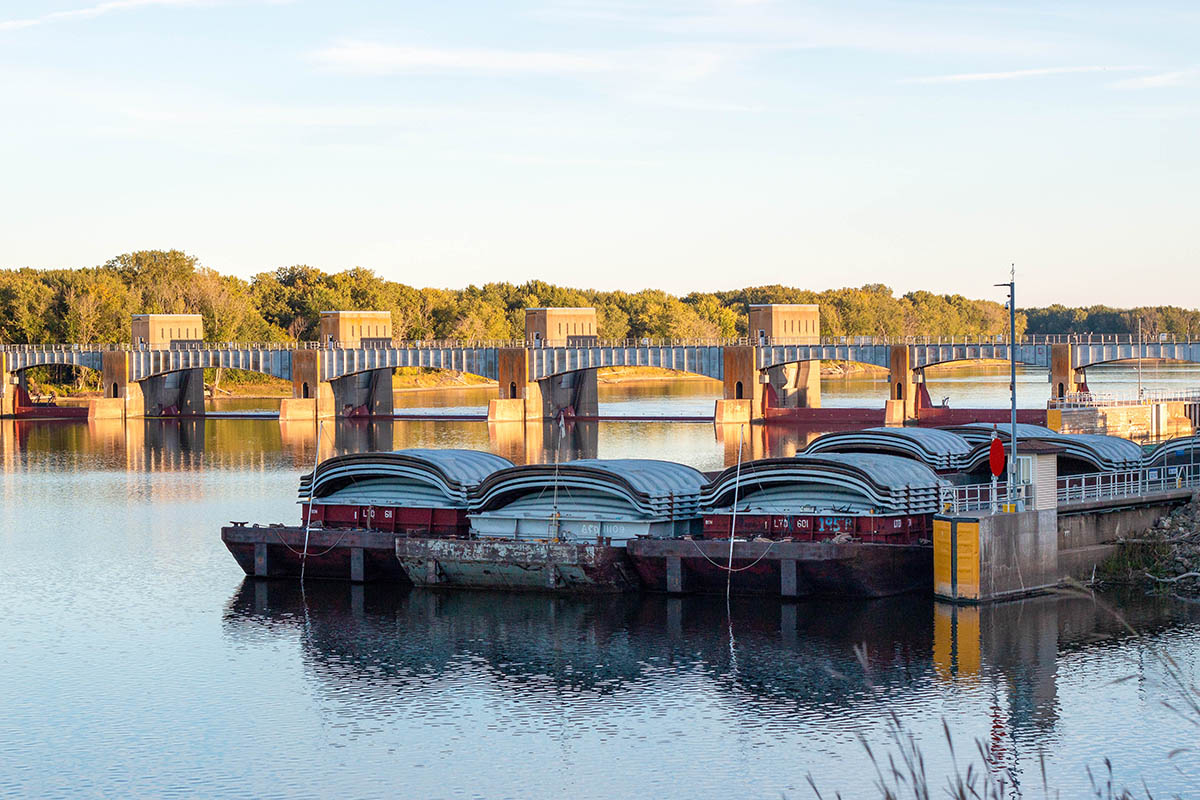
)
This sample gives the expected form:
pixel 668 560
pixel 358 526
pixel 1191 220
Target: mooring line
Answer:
pixel 732 569
pixel 301 554
pixel 312 487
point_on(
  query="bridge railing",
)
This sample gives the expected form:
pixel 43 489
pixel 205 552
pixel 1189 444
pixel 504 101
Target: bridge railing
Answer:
pixel 128 347
pixel 825 341
pixel 61 348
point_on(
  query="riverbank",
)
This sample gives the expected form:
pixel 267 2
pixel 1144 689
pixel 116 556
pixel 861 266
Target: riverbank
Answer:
pixel 1164 559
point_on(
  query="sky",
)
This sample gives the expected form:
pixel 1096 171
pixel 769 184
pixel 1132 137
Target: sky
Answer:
pixel 615 144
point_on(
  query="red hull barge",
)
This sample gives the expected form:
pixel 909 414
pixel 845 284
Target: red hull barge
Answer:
pixel 910 529
pixel 437 522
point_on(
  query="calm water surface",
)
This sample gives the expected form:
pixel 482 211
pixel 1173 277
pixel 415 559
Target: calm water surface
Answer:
pixel 138 661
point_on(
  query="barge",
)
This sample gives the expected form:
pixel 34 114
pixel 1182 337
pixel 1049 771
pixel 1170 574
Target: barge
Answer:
pixel 850 525
pixel 353 508
pixel 561 527
pixel 852 516
pixel 812 525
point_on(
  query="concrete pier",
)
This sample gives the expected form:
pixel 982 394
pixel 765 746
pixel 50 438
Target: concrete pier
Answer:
pixel 7 390
pixel 981 558
pixel 902 393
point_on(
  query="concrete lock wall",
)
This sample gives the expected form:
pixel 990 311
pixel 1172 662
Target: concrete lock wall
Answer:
pixel 1088 536
pixel 1158 420
pixel 986 557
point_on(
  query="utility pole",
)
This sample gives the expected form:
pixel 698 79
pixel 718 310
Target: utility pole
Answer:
pixel 1012 384
pixel 1139 344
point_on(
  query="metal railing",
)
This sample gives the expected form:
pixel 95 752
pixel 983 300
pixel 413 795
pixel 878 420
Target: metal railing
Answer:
pixel 984 497
pixel 824 341
pixel 1129 483
pixel 1133 398
pixel 140 347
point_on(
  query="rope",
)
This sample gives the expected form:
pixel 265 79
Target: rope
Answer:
pixel 293 550
pixel 732 569
pixel 737 482
pixel 300 553
pixel 331 547
pixel 311 493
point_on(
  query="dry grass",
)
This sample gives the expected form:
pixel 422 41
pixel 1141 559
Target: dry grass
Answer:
pixel 901 774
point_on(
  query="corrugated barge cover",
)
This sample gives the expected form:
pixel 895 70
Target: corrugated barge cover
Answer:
pixel 1174 450
pixel 982 431
pixel 658 487
pixel 940 449
pixel 416 477
pixel 1105 453
pixel 853 482
pixel 589 500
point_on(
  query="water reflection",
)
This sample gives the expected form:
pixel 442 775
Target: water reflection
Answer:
pixel 153 445
pixel 113 567
pixel 794 654
pixel 814 675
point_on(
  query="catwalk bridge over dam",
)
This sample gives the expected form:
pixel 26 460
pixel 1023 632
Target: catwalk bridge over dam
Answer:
pixel 542 379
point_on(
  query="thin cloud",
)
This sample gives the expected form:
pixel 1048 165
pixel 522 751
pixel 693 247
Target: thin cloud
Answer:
pixel 675 63
pixel 101 9
pixel 373 58
pixel 1181 77
pixel 815 28
pixel 1019 74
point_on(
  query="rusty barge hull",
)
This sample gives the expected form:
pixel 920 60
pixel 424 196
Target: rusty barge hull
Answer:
pixel 516 565
pixel 782 569
pixel 342 554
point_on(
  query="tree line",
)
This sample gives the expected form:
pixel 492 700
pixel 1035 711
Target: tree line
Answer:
pixel 94 304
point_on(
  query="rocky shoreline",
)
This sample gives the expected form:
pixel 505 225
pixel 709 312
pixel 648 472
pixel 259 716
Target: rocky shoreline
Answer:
pixel 1163 559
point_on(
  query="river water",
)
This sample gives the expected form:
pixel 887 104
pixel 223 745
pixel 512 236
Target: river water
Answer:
pixel 138 661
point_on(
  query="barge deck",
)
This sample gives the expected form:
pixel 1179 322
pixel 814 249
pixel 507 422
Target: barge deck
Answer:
pixel 273 551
